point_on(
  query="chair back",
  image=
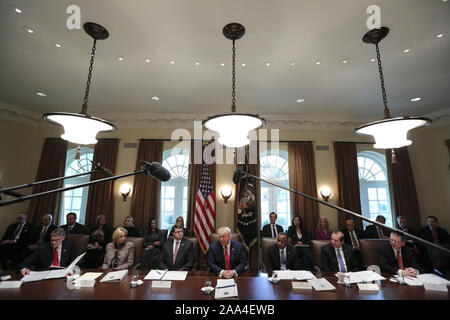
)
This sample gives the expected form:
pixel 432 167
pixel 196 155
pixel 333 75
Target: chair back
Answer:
pixel 316 247
pixel 165 232
pixel 369 250
pixel 138 248
pixel 196 252
pixel 80 241
pixel 266 242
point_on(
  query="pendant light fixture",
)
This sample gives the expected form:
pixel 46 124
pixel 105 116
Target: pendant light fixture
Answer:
pixel 389 133
pixel 234 127
pixel 81 128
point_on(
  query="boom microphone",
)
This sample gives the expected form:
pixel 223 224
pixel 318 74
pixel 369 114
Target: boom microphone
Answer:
pixel 156 170
pixel 237 175
pixel 102 169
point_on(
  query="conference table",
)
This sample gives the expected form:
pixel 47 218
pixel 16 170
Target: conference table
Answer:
pixel 251 286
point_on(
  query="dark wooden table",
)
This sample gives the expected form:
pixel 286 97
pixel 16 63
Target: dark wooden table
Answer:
pixel 251 286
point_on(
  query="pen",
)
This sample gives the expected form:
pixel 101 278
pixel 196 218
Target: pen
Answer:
pixel 228 286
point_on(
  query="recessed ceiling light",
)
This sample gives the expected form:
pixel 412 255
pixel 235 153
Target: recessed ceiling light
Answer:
pixel 292 63
pixel 317 62
pixel 440 35
pixel 172 62
pixel 407 50
pixel 345 61
pixel 222 64
pixel 243 64
pixel 29 29
pixel 18 10
pixel 57 45
pixel 147 60
pixel 416 99
pixel 41 94
pixel 268 63
pixel 155 98
pixel 373 60
pixel 197 63
pixel 120 58
pixel 300 100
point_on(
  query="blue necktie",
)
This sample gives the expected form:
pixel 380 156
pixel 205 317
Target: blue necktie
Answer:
pixel 274 232
pixel 283 260
pixel 341 262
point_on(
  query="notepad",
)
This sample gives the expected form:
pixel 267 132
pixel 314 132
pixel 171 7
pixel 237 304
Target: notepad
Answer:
pixel 435 287
pixel 368 287
pixel 294 275
pixel 10 284
pixel 362 276
pixel 155 274
pixel 115 276
pixel 300 285
pixel 226 288
pixel 432 278
pixel 321 284
pixel 175 275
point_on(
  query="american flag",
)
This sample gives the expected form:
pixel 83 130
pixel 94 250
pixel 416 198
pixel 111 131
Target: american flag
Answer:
pixel 204 218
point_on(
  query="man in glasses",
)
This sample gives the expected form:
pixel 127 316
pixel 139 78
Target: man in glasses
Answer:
pixel 57 253
pixel 395 258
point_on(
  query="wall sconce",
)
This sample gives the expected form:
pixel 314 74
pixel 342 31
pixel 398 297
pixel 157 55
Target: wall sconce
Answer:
pixel 226 193
pixel 125 190
pixel 325 192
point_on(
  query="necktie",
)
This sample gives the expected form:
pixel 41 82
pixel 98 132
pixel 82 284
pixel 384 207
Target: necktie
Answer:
pixel 399 260
pixel 227 259
pixel 435 239
pixel 175 252
pixel 354 241
pixel 55 257
pixel 18 231
pixel 283 260
pixel 274 232
pixel 44 230
pixel 380 233
pixel 341 261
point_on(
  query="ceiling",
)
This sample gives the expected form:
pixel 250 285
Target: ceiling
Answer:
pixel 190 31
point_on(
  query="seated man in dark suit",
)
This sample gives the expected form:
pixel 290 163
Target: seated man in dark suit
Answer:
pixel 433 233
pixel 43 233
pixel 272 229
pixel 226 257
pixel 395 258
pixel 351 238
pixel 282 256
pixel 376 232
pixel 15 242
pixel 177 253
pixel 337 256
pixel 57 253
pixel 72 226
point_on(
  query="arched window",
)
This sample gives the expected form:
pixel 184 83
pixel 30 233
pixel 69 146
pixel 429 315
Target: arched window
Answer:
pixel 274 168
pixel 374 186
pixel 174 192
pixel 75 200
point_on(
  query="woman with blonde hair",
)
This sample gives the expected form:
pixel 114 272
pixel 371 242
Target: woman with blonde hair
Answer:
pixel 119 253
pixel 323 231
pixel 100 236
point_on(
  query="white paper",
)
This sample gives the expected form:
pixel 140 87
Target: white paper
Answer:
pixel 364 276
pixel 432 278
pixel 225 282
pixel 90 276
pixel 35 276
pixel 435 287
pixel 175 275
pixel 302 275
pixel 4 278
pixel 161 284
pixel 226 291
pixel 413 281
pixel 368 287
pixel 10 284
pixel 321 284
pixel 115 276
pixel 155 274
pixel 55 274
pixel 77 259
pixel 301 285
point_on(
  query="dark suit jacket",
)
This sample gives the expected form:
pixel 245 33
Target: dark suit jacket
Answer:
pixel 347 240
pixel 47 235
pixel 267 231
pixel 442 234
pixel 329 262
pixel 133 232
pixel 216 258
pixel 388 261
pixel 371 232
pixel 291 233
pixel 42 257
pixel 273 258
pixel 185 255
pixel 77 229
pixel 26 237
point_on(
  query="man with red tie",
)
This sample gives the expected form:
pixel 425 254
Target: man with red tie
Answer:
pixel 395 258
pixel 226 257
pixel 57 253
pixel 433 233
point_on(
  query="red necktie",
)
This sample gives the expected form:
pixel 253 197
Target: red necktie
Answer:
pixel 175 252
pixel 227 259
pixel 55 258
pixel 380 233
pixel 435 239
pixel 399 260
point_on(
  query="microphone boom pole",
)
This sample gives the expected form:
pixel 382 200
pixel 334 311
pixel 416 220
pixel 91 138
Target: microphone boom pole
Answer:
pixel 417 239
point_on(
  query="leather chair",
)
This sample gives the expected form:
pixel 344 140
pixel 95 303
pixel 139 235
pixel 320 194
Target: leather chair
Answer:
pixel 196 252
pixel 316 247
pixel 265 243
pixel 80 241
pixel 138 248
pixel 369 251
pixel 165 232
